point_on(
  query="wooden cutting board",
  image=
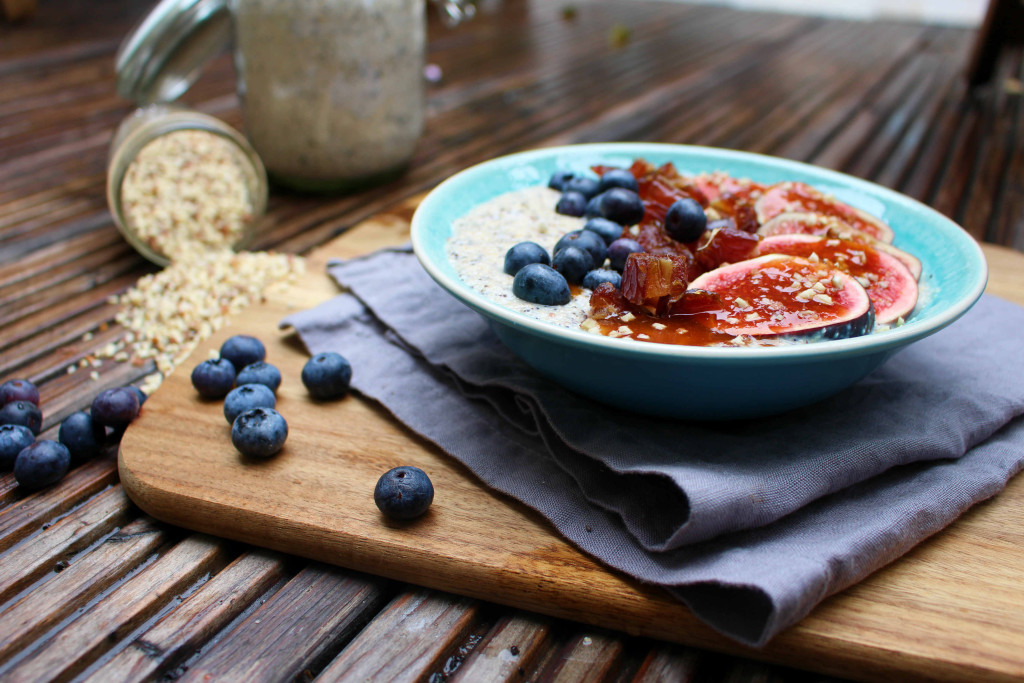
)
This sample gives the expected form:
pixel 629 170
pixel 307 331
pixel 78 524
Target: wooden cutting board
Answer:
pixel 953 609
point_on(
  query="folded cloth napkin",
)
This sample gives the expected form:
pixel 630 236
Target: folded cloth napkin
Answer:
pixel 751 523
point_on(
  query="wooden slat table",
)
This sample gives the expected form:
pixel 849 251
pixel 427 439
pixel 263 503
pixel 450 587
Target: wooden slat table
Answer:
pixel 92 588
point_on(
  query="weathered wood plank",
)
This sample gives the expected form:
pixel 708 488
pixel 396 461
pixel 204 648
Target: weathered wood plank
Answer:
pixel 509 650
pixel 585 657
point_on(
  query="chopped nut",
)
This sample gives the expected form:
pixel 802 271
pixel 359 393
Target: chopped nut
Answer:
pixel 805 295
pixel 742 303
pixel 658 326
pixel 627 317
pixel 823 299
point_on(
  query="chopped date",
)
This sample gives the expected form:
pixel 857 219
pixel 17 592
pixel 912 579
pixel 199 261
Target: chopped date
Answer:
pixel 725 245
pixel 654 281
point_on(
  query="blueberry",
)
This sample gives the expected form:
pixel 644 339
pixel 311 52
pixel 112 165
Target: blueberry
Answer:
pixel 138 392
pixel 573 263
pixel 540 284
pixel 571 204
pixel 115 408
pixel 585 186
pixel 246 397
pixel 618 177
pixel 587 241
pixel 243 350
pixel 13 440
pixel 81 436
pixel 43 463
pixel 558 180
pixel 403 492
pixel 622 206
pixel 685 220
pixel 22 413
pixel 593 207
pixel 595 277
pixel 214 378
pixel 259 432
pixel 327 375
pixel 18 390
pixel 523 254
pixel 619 251
pixel 607 230
pixel 260 372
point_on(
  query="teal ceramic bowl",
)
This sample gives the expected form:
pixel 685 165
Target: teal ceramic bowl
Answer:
pixel 695 382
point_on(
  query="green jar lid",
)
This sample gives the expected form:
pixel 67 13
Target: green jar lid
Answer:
pixel 167 51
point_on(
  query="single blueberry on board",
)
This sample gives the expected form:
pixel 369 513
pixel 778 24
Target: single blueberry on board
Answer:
pixel 81 436
pixel 607 230
pixel 403 492
pixel 523 254
pixel 582 184
pixel 138 392
pixel 595 277
pixel 327 375
pixel 573 263
pixel 214 378
pixel 13 440
pixel 243 350
pixel 260 372
pixel 22 413
pixel 246 397
pixel 587 241
pixel 43 463
pixel 540 284
pixel 622 206
pixel 259 432
pixel 685 220
pixel 115 408
pixel 558 180
pixel 571 204
pixel 618 177
pixel 619 251
pixel 18 390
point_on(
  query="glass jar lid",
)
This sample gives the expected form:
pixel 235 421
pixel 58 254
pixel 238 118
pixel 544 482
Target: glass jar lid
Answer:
pixel 167 51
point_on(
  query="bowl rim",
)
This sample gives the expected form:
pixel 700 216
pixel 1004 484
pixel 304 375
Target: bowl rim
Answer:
pixel 872 343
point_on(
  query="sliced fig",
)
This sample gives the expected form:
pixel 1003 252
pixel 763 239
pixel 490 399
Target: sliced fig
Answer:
pixel 781 295
pixel 830 226
pixel 790 197
pixel 889 283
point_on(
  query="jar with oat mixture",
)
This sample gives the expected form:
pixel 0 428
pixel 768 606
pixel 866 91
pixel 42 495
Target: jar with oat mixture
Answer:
pixel 180 182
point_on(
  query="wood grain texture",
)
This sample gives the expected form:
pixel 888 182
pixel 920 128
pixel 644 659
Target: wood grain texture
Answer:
pixel 314 500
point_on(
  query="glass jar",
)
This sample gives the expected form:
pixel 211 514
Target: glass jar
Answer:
pixel 332 90
pixel 178 179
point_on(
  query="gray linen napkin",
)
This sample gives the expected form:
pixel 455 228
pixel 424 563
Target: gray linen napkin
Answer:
pixel 751 523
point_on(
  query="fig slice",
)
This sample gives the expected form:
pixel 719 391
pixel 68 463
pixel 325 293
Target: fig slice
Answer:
pixel 830 226
pixel 788 296
pixel 790 197
pixel 889 283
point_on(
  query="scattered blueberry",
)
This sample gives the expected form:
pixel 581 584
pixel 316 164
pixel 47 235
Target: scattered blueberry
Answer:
pixel 18 390
pixel 595 277
pixel 214 378
pixel 243 350
pixel 558 180
pixel 685 220
pixel 43 463
pixel 403 492
pixel 587 241
pixel 22 413
pixel 246 397
pixel 327 375
pixel 593 207
pixel 571 204
pixel 13 440
pixel 573 263
pixel 618 177
pixel 138 392
pixel 81 436
pixel 259 432
pixel 540 284
pixel 115 408
pixel 523 254
pixel 622 206
pixel 607 230
pixel 585 186
pixel 619 251
pixel 260 372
